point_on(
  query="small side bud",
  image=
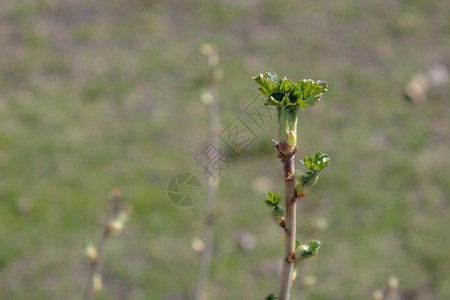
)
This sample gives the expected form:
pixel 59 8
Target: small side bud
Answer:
pixel 90 252
pixel 277 212
pixel 97 283
pixel 278 216
pixel 115 227
pixel 393 283
pixel 378 294
pixel 305 251
pixel 117 223
pixel 198 245
pixel 206 49
pixel 280 222
pixel 287 147
pixel 311 181
pixel 304 181
pixel 207 97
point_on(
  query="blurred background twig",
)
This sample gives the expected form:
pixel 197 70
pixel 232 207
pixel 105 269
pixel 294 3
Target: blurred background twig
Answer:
pixel 116 215
pixel 211 98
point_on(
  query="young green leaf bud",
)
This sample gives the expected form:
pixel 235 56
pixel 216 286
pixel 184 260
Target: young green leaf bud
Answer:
pixel 289 97
pixel 277 212
pixel 304 181
pixel 318 162
pixel 272 200
pixel 305 251
pixel 277 216
pixel 310 181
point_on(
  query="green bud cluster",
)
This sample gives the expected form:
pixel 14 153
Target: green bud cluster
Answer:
pixel 277 212
pixel 305 251
pixel 289 97
pixel 315 164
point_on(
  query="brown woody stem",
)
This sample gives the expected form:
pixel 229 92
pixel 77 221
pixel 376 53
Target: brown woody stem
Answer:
pixel 290 226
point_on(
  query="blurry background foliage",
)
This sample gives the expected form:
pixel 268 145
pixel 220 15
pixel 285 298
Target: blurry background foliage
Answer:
pixel 96 95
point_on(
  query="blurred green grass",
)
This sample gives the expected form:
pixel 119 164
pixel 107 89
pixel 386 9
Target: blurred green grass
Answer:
pixel 105 94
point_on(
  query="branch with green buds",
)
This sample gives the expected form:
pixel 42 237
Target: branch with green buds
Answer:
pixel 289 98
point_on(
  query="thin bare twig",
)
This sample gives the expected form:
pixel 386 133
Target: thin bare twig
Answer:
pixel 95 266
pixel 211 182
